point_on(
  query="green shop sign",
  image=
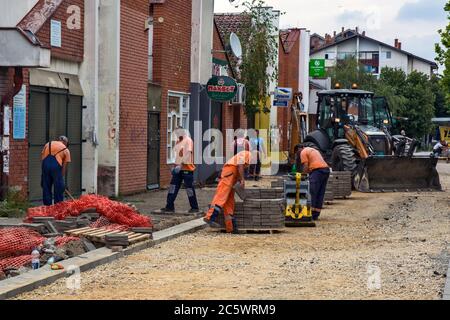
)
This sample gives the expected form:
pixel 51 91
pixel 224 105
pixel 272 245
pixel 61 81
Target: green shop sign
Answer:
pixel 317 68
pixel 221 88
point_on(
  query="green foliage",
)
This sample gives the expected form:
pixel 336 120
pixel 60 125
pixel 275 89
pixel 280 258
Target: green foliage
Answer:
pixel 420 104
pixel 441 105
pixel 347 72
pixel 443 54
pixel 14 205
pixel 260 54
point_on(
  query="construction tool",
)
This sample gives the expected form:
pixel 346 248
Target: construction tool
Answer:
pixel 69 194
pixel 298 202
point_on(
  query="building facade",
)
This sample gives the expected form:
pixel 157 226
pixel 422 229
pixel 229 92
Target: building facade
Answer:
pixel 373 54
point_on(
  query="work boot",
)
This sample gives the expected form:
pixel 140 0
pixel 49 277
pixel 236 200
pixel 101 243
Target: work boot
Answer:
pixel 194 211
pixel 167 211
pixel 235 226
pixel 315 216
pixel 211 223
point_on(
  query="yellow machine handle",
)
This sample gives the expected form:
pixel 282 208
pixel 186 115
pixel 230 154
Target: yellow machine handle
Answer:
pixel 298 179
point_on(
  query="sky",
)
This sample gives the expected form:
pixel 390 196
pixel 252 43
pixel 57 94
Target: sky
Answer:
pixel 414 22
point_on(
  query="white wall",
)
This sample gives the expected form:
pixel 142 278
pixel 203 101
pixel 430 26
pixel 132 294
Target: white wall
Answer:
pixel 421 66
pixel 109 89
pixel 16 50
pixel 202 40
pixel 398 60
pixel 89 81
pixel 14 11
pixel 304 66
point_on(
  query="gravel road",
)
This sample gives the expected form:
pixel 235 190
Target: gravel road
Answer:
pixel 372 246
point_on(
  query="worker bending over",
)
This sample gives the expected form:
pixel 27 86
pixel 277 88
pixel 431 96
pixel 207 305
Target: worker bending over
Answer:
pixel 311 161
pixel 55 159
pixel 232 172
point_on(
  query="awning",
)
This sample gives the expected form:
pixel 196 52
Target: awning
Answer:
pixel 50 79
pixel 16 50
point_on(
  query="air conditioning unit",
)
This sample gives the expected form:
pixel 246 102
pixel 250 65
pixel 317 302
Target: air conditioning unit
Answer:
pixel 240 95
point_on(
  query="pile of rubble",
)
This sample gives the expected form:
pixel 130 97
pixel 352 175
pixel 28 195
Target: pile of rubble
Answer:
pixel 45 230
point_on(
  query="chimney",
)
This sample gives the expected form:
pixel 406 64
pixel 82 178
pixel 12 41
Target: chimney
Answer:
pixel 400 46
pixel 334 34
pixel 357 30
pixel 364 33
pixel 343 29
pixel 396 43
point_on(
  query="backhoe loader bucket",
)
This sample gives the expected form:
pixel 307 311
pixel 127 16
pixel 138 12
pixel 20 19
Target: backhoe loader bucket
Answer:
pixel 394 174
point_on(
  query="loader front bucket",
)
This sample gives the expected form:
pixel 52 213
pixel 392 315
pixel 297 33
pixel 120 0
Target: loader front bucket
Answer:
pixel 394 174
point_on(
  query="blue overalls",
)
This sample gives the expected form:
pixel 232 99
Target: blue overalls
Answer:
pixel 52 177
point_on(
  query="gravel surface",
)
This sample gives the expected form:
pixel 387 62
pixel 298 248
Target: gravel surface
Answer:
pixel 372 246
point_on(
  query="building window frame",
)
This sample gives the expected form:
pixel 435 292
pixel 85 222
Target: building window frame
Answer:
pixel 178 104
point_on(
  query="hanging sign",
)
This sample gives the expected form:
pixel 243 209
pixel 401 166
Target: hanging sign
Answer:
pixel 55 33
pixel 221 88
pixel 283 94
pixel 317 68
pixel 445 133
pixel 20 114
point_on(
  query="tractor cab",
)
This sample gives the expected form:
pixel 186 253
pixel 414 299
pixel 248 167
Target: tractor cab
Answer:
pixel 342 108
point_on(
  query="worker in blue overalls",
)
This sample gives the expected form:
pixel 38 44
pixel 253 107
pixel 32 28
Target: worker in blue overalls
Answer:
pixel 55 160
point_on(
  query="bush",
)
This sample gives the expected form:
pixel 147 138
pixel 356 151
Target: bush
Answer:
pixel 15 205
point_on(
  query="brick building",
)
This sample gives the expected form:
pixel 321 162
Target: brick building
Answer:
pixel 85 74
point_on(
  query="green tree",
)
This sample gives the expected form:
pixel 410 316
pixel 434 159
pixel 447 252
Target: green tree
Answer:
pixel 443 54
pixel 348 72
pixel 390 85
pixel 420 104
pixel 441 106
pixel 259 65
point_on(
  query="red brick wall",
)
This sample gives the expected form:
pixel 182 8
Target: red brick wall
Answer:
pixel 18 170
pixel 288 77
pixel 133 97
pixel 72 41
pixel 172 59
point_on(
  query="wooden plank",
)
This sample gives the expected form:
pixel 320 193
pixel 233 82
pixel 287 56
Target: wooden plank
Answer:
pixel 78 231
pixel 140 238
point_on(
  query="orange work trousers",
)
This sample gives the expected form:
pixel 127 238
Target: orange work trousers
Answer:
pixel 224 197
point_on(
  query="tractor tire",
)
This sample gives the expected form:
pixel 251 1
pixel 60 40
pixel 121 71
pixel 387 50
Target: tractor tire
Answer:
pixel 343 158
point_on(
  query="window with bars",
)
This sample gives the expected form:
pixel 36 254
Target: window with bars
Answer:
pixel 177 116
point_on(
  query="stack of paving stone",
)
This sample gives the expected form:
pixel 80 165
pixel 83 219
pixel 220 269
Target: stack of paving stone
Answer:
pixel 258 193
pixel 277 183
pixel 340 184
pixel 263 209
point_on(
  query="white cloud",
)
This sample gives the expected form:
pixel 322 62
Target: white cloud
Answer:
pixel 381 21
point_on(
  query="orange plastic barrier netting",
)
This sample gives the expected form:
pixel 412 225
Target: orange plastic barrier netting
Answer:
pixel 16 245
pixel 115 212
pixel 102 222
pixel 14 262
pixel 18 241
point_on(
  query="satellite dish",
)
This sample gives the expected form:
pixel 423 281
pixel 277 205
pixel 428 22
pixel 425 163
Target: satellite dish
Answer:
pixel 235 45
pixel 235 3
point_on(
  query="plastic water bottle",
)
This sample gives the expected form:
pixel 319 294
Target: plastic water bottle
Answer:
pixel 35 263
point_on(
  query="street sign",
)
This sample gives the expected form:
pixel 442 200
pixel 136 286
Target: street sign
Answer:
pixel 221 88
pixel 317 68
pixel 281 103
pixel 283 94
pixel 445 133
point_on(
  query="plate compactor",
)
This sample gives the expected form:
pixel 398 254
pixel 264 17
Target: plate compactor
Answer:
pixel 298 201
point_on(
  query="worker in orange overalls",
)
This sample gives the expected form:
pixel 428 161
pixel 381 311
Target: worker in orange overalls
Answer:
pixel 232 172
